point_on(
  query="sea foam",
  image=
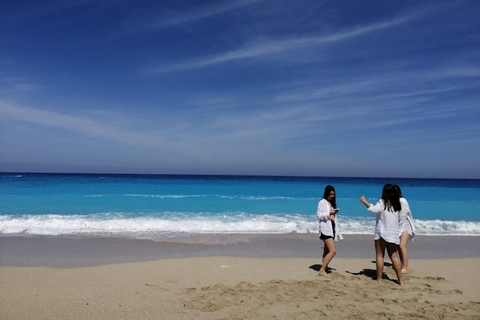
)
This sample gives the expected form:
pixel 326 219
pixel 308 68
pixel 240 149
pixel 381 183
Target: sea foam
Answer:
pixel 121 225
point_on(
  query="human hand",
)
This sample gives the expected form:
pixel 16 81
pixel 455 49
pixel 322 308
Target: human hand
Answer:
pixel 364 201
pixel 333 213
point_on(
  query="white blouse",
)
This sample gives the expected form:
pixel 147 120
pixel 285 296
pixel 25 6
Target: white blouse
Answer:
pixel 407 222
pixel 325 222
pixel 388 222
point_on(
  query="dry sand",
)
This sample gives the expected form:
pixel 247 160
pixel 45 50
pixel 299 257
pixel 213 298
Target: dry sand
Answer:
pixel 228 287
pixel 241 288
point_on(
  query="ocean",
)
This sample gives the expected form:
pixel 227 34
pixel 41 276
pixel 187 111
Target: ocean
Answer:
pixel 169 206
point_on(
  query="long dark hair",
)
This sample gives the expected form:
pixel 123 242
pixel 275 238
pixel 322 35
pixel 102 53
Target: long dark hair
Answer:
pixel 391 198
pixel 326 193
pixel 399 191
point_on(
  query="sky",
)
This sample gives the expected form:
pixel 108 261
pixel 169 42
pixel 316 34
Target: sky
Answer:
pixel 248 87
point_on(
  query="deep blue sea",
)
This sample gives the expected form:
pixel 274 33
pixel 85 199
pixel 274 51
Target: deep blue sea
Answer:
pixel 165 206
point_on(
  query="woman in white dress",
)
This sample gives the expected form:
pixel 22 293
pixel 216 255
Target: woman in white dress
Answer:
pixel 328 227
pixel 388 212
pixel 407 230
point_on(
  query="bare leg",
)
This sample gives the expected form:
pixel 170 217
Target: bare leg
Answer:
pixel 331 251
pixel 380 254
pixel 404 238
pixel 325 252
pixel 393 254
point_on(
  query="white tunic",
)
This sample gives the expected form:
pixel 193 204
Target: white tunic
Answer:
pixel 407 224
pixel 325 222
pixel 388 222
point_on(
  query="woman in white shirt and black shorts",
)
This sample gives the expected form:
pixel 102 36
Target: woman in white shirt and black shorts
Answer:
pixel 328 227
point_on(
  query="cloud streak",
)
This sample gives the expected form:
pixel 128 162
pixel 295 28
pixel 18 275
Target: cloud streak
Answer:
pixel 392 85
pixel 266 48
pixel 83 126
pixel 172 20
pixel 202 13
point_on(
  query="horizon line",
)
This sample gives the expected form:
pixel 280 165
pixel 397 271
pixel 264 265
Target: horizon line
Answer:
pixel 223 175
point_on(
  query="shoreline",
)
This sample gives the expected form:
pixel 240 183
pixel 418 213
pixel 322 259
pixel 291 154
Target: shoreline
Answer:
pixel 55 251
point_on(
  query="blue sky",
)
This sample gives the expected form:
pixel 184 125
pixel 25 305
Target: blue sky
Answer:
pixel 320 88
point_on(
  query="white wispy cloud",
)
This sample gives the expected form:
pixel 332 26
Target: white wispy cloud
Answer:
pixel 298 121
pixel 386 85
pixel 84 126
pixel 430 139
pixel 269 47
pixel 14 81
pixel 471 71
pixel 14 84
pixel 201 13
pixel 345 90
pixel 175 19
pixel 17 85
pixel 425 92
pixel 329 91
pixel 45 8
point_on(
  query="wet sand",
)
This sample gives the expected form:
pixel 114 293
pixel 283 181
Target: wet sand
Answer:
pixel 74 252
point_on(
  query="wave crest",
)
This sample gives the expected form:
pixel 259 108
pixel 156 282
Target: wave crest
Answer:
pixel 118 224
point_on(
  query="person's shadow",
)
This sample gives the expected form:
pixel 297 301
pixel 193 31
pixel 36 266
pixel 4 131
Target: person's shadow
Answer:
pixel 386 264
pixel 317 267
pixel 372 273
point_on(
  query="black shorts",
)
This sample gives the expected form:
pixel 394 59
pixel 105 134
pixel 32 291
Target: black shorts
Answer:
pixel 324 237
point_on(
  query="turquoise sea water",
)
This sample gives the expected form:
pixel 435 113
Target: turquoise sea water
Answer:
pixel 157 206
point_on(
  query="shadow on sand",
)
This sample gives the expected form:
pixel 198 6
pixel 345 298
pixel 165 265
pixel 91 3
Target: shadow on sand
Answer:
pixel 386 264
pixel 317 267
pixel 371 273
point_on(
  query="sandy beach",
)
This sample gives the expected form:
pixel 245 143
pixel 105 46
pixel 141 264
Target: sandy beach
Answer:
pixel 233 277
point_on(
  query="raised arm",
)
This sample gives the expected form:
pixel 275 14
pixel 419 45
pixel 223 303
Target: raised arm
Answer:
pixel 372 208
pixel 365 202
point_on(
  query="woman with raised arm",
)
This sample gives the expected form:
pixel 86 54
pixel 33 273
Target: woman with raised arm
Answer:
pixel 388 212
pixel 407 230
pixel 328 227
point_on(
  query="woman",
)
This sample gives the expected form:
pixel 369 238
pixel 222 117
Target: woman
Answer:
pixel 388 211
pixel 328 227
pixel 407 230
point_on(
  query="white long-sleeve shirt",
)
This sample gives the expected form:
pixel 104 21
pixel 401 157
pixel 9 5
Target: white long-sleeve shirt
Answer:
pixel 407 223
pixel 325 222
pixel 388 222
